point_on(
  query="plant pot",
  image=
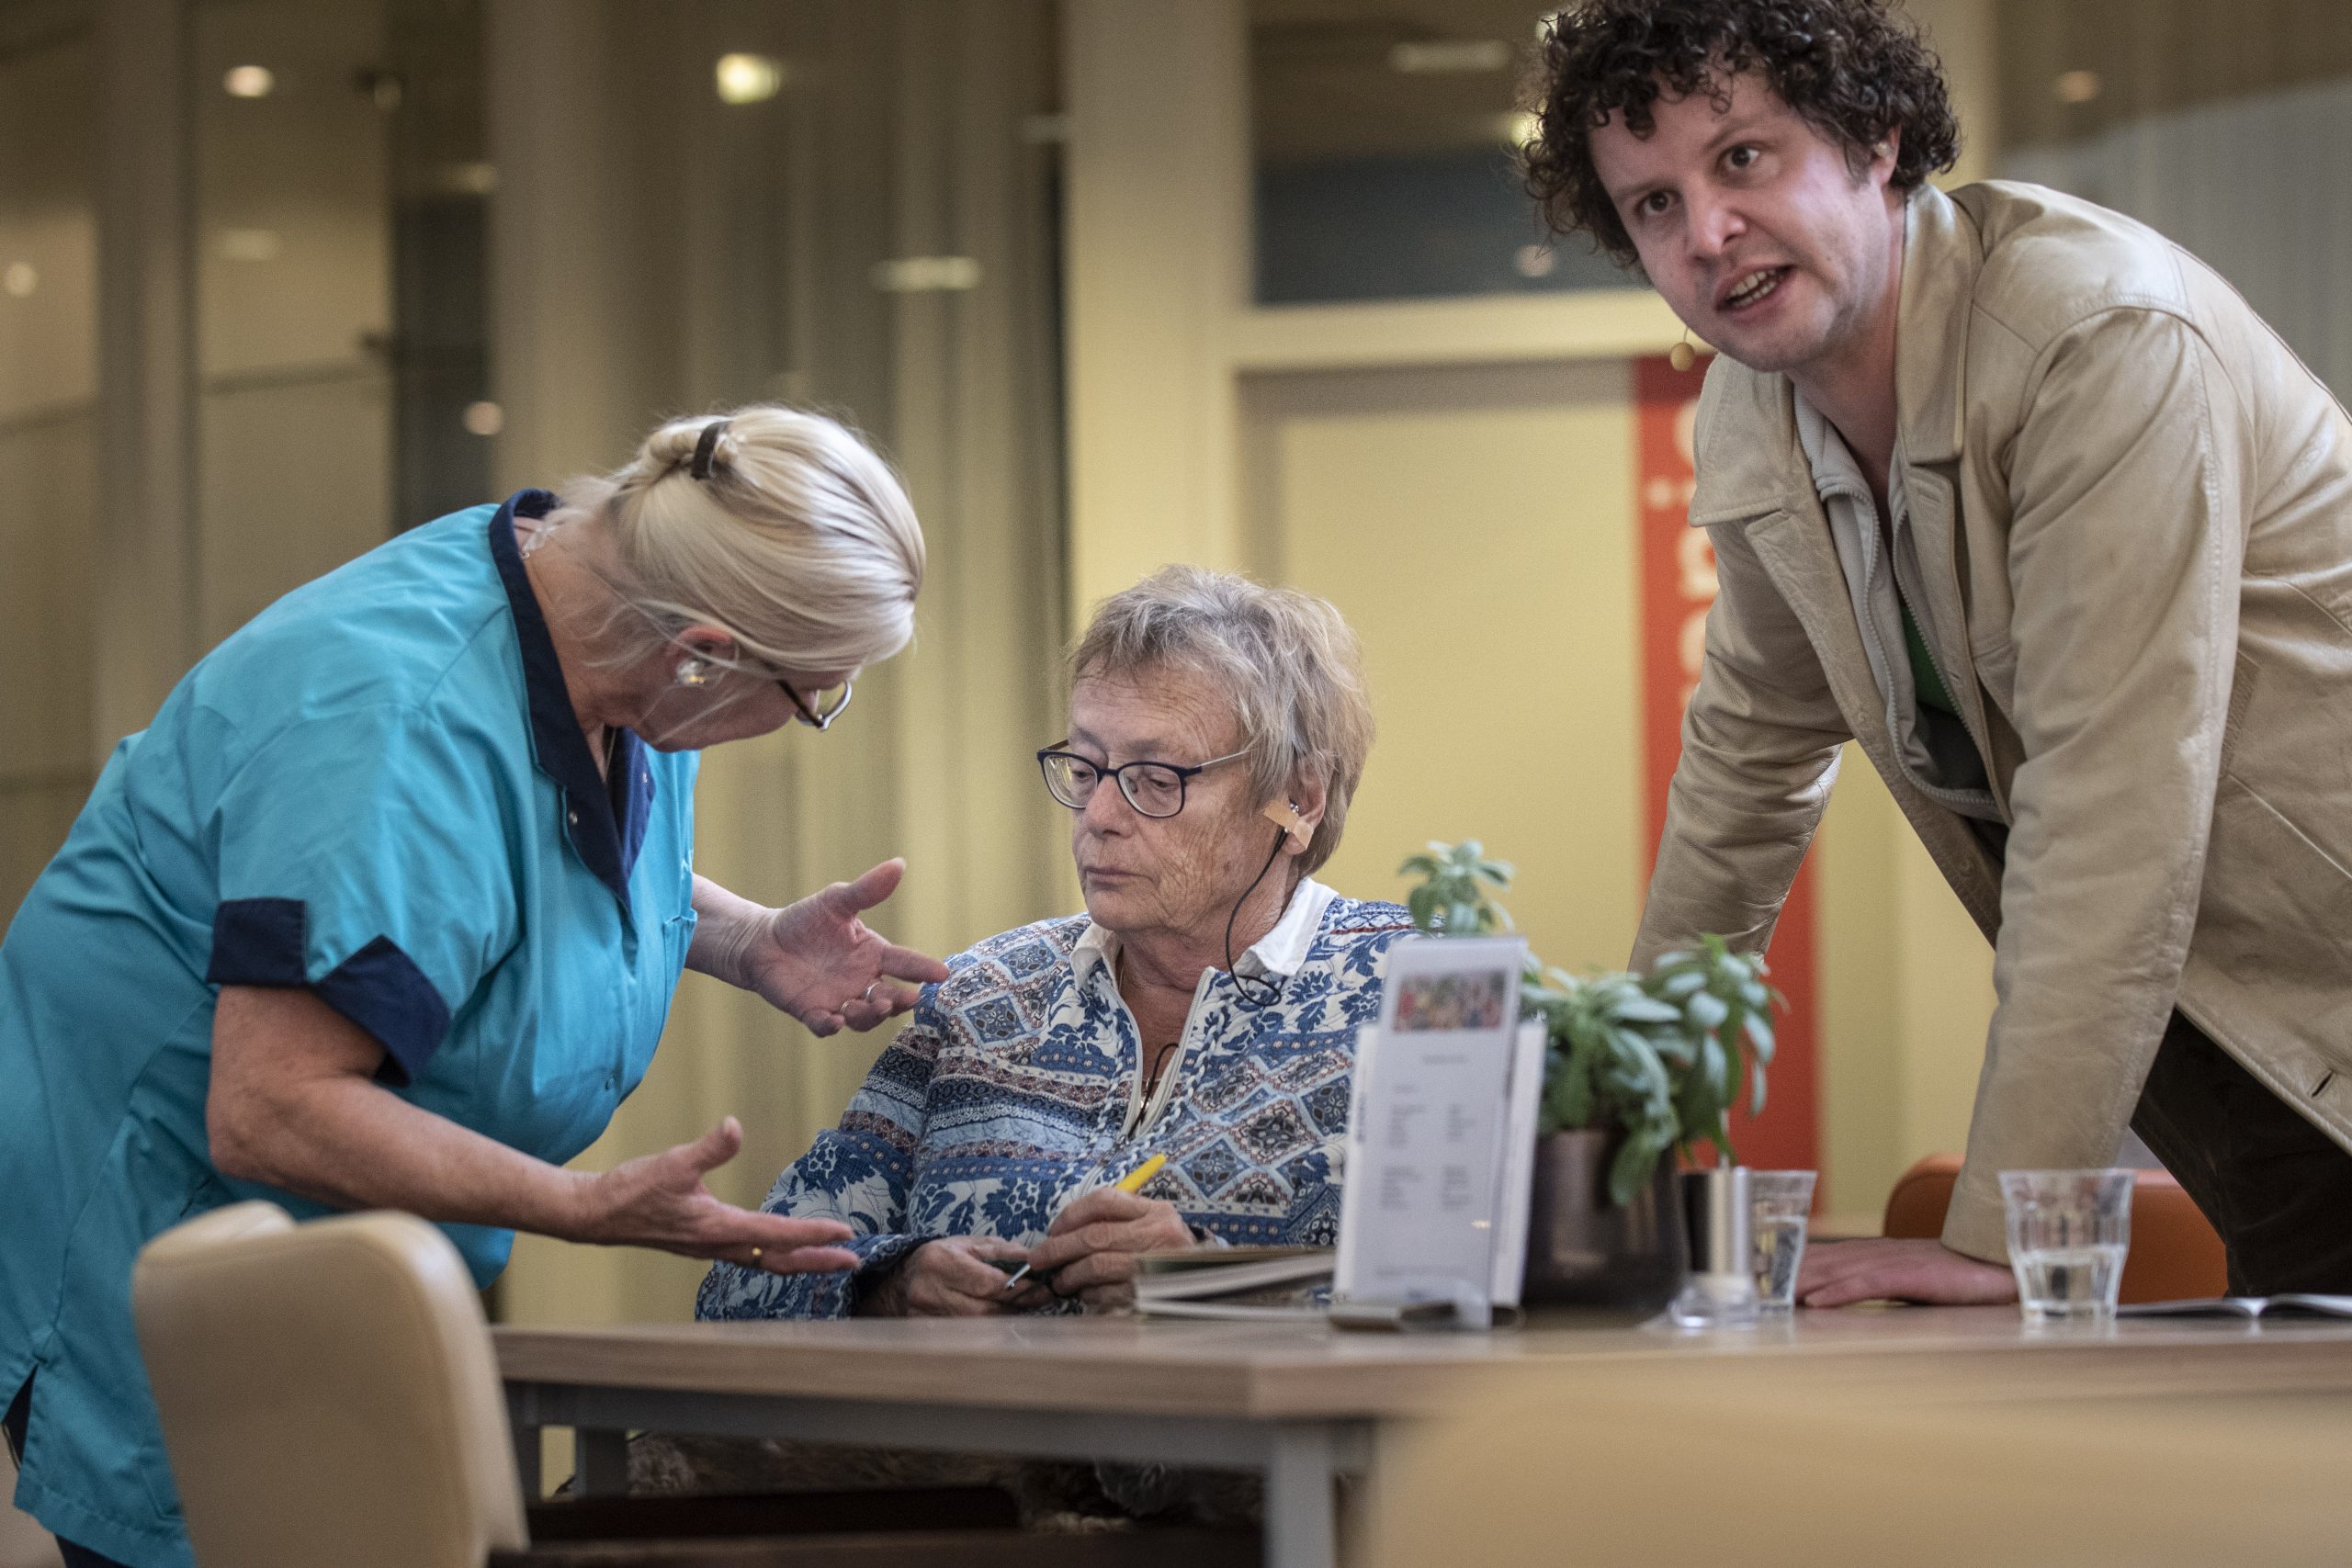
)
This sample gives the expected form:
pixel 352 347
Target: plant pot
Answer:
pixel 1582 1249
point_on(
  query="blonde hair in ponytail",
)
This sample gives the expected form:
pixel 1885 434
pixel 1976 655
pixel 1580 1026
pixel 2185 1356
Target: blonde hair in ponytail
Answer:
pixel 800 543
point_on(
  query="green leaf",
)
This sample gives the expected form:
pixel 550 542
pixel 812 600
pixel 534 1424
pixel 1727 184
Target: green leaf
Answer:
pixel 1679 984
pixel 1639 1009
pixel 1705 1010
pixel 1631 1171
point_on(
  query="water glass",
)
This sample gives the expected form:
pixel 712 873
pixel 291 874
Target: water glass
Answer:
pixel 2068 1231
pixel 1721 1291
pixel 1780 1201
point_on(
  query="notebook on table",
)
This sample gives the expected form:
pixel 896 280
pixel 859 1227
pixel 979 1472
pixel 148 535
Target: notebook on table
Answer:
pixel 1235 1282
pixel 2300 1303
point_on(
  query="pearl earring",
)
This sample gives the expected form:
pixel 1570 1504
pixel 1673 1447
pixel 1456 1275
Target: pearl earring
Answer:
pixel 1682 355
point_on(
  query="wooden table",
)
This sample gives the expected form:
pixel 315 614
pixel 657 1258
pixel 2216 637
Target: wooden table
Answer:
pixel 1303 1403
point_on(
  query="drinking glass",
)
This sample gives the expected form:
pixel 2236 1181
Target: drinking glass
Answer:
pixel 1721 1291
pixel 1779 1199
pixel 2068 1231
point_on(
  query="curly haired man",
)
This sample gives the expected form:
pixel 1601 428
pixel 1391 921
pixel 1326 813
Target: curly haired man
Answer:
pixel 2027 501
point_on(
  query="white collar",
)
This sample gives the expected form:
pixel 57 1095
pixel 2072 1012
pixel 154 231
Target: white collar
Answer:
pixel 1282 951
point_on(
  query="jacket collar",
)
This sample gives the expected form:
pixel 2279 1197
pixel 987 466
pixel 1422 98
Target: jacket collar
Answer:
pixel 1764 467
pixel 606 825
pixel 1941 260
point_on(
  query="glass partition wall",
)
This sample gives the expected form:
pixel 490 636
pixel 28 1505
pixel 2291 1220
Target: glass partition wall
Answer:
pixel 1384 141
pixel 48 442
pixel 292 254
pixel 851 208
pixel 2227 127
pixel 375 260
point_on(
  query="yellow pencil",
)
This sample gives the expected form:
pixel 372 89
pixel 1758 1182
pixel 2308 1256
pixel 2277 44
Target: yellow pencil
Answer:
pixel 1131 1182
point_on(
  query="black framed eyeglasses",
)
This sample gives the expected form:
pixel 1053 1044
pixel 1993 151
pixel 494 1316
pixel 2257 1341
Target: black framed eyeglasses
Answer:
pixel 1154 789
pixel 827 706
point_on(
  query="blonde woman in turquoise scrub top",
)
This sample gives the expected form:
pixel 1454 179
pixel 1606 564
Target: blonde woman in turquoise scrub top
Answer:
pixel 385 908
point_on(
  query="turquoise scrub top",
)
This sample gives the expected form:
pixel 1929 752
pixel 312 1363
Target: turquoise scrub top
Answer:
pixel 377 791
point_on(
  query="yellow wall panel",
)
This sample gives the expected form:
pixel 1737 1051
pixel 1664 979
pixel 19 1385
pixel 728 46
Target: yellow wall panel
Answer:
pixel 1473 526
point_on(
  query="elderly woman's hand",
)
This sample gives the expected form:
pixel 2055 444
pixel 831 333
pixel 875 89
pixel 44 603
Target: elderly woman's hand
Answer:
pixel 951 1276
pixel 1090 1247
pixel 816 959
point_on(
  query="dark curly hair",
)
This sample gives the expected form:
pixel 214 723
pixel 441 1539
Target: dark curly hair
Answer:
pixel 1855 69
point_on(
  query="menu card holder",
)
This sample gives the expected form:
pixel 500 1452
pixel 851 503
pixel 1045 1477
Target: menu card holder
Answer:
pixel 1440 1141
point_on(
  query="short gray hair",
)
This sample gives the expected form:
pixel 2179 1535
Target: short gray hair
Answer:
pixel 1293 668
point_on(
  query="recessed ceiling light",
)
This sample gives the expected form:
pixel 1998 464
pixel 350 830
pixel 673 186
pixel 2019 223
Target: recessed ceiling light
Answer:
pixel 926 275
pixel 747 78
pixel 469 179
pixel 249 81
pixel 250 245
pixel 2077 86
pixel 1450 55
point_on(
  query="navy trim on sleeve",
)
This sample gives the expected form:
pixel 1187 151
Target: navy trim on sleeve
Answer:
pixel 258 941
pixel 604 844
pixel 382 989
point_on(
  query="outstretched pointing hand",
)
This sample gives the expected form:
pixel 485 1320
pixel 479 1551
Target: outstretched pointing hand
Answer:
pixel 659 1200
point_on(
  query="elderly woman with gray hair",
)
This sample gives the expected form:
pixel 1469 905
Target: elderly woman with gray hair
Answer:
pixel 1203 1008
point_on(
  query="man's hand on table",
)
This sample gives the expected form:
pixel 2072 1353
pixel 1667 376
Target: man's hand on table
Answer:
pixel 1090 1248
pixel 951 1276
pixel 1839 1273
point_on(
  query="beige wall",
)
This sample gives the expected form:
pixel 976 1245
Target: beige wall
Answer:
pixel 1501 655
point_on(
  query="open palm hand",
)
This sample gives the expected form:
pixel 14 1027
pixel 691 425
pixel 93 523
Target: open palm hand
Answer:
pixel 817 960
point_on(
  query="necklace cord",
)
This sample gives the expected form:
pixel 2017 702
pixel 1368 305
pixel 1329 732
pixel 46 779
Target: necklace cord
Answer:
pixel 1253 992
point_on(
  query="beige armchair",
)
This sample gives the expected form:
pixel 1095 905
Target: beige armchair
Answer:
pixel 328 1393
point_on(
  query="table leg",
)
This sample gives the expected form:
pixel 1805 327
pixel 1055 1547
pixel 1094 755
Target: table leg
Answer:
pixel 523 1426
pixel 603 1464
pixel 1302 1500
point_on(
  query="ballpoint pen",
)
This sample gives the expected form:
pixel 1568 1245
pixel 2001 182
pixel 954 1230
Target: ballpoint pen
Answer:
pixel 1131 1182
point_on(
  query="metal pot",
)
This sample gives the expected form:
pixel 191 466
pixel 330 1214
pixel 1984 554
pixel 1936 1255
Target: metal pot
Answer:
pixel 1583 1250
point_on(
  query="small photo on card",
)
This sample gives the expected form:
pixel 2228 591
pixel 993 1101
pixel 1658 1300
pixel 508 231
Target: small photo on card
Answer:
pixel 1458 986
pixel 1447 1001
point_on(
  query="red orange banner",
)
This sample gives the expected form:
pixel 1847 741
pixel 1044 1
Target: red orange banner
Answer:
pixel 1677 573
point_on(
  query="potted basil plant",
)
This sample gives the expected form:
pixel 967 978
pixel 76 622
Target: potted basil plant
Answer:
pixel 1635 1066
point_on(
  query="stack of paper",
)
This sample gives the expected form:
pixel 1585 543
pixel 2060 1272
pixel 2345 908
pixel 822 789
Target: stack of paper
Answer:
pixel 1235 1282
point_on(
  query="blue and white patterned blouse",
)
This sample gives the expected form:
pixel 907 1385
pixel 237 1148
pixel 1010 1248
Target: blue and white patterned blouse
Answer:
pixel 1014 1090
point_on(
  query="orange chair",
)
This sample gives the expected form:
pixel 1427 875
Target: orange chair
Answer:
pixel 2175 1252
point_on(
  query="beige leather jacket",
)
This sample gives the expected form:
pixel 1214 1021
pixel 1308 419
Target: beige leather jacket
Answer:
pixel 2133 509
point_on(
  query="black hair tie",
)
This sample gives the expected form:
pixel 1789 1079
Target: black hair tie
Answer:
pixel 706 448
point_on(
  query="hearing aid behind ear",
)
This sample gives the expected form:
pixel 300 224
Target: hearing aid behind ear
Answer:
pixel 1284 815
